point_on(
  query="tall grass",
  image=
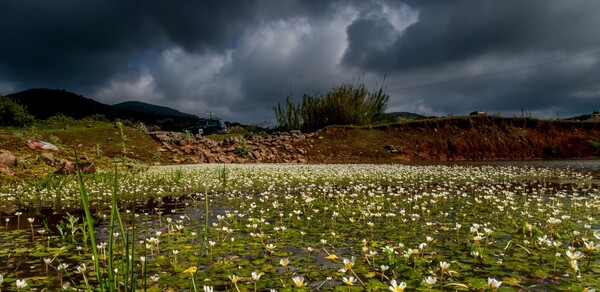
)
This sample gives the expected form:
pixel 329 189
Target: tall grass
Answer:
pixel 127 263
pixel 89 221
pixel 347 104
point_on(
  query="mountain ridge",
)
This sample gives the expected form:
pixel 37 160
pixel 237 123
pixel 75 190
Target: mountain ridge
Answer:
pixel 148 108
pixel 43 103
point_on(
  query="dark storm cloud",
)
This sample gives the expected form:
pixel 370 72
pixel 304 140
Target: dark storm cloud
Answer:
pixel 454 39
pixel 455 31
pixel 239 58
pixel 81 43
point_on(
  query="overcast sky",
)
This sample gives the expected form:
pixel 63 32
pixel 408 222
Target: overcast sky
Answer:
pixel 239 58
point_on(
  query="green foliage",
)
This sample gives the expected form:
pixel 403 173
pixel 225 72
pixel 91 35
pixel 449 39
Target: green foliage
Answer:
pixel 347 104
pixel 223 175
pixel 238 130
pixel 187 135
pixel 60 119
pixel 98 118
pixel 13 114
pixel 243 150
pixel 124 138
pixel 594 144
pixel 97 150
pixel 142 128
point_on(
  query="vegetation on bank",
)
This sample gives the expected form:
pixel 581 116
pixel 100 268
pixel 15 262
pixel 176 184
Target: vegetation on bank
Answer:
pixel 13 114
pixel 347 104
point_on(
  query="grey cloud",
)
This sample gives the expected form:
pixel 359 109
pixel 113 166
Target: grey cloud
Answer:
pixel 455 31
pixel 239 58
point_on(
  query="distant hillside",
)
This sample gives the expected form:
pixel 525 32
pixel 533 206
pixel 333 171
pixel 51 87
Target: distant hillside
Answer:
pixel 404 115
pixel 43 103
pixel 580 118
pixel 151 109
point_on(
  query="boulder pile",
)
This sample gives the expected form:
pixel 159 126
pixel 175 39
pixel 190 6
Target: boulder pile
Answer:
pixel 252 148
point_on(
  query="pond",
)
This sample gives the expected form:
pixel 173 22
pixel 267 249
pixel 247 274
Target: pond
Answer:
pixel 309 227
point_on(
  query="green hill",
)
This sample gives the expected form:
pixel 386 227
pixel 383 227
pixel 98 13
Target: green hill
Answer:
pixel 151 109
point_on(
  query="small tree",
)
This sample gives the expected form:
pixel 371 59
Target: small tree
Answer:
pixel 13 114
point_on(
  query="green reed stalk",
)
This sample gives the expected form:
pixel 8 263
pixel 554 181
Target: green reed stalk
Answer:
pixel 205 235
pixel 116 213
pixel 144 266
pixel 131 261
pixel 88 218
pixel 113 212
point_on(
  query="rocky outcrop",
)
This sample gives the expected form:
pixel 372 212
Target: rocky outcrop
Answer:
pixel 263 147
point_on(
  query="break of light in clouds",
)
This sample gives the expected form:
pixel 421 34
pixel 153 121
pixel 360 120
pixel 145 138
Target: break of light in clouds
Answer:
pixel 239 58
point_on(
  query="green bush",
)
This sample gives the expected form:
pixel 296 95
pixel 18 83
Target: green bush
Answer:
pixel 347 104
pixel 142 128
pixel 60 120
pixel 13 114
pixel 243 150
pixel 98 118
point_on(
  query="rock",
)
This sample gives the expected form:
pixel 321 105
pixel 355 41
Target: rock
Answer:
pixel 7 158
pixel 87 167
pixel 187 149
pixel 66 167
pixel 391 148
pixel 48 158
pixel 225 159
pixel 5 170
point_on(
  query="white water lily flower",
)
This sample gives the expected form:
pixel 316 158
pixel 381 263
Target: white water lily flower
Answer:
pixel 350 281
pixel 234 278
pixel 430 281
pixel 493 283
pixel 256 276
pixel 21 283
pixel 299 281
pixel 81 269
pixel 349 263
pixel 395 287
pixel 591 247
pixel 573 255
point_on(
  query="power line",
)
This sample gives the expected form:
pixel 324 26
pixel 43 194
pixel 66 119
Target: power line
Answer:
pixel 512 70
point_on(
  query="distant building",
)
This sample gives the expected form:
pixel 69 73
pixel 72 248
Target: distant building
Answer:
pixel 595 114
pixel 478 113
